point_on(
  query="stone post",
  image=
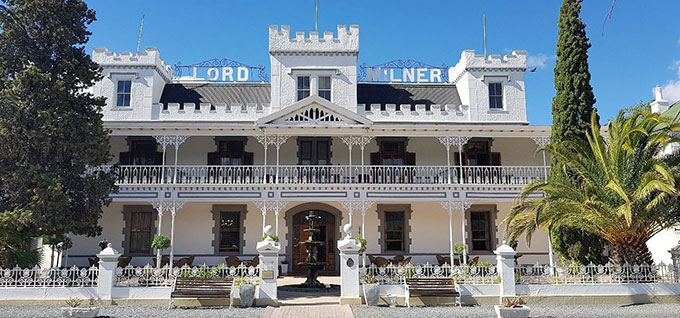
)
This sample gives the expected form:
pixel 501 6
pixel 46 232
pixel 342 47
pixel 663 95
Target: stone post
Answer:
pixel 269 270
pixel 349 268
pixel 108 262
pixel 505 259
pixel 675 256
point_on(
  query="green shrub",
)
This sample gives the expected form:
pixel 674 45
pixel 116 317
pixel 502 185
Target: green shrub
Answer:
pixel 160 242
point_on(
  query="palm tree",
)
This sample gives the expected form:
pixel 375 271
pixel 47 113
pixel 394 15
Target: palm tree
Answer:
pixel 620 188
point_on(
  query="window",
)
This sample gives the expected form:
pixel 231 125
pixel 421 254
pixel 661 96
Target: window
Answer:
pixel 141 232
pixel 314 151
pixel 123 93
pixel 231 153
pixel 143 152
pixel 325 87
pixel 394 231
pixel 392 153
pixel 230 231
pixel 302 87
pixel 480 229
pixel 495 96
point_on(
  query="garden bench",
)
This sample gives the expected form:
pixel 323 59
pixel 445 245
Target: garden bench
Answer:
pixel 202 288
pixel 431 287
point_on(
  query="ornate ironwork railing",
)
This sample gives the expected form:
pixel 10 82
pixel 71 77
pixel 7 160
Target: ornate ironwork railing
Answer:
pixel 149 276
pixel 327 174
pixel 179 69
pixel 595 274
pixel 49 277
pixel 401 64
pixel 462 274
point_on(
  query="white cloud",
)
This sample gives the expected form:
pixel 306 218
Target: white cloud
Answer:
pixel 538 61
pixel 671 91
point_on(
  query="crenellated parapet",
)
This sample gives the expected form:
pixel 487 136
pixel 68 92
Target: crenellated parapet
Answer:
pixel 346 41
pixel 469 61
pixel 149 58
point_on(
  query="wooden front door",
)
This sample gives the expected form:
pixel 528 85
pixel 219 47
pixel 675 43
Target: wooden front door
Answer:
pixel 326 252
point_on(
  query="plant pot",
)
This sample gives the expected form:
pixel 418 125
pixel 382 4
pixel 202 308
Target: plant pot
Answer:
pixel 371 294
pixel 246 294
pixel 512 312
pixel 80 312
pixel 284 269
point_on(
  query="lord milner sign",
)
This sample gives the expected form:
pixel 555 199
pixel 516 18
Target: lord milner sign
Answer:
pixel 403 71
pixel 221 70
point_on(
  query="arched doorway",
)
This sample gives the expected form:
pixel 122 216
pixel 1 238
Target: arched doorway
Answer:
pixel 329 233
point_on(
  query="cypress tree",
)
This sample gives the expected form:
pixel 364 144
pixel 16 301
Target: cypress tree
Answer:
pixel 571 110
pixel 50 126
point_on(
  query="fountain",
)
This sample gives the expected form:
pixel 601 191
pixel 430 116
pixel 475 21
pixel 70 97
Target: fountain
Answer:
pixel 311 262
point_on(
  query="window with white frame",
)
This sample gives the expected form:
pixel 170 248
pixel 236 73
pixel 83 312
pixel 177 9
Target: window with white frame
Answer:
pixel 303 88
pixel 325 87
pixel 123 93
pixel 495 96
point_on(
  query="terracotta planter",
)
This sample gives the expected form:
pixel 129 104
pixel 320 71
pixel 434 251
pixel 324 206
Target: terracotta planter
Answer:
pixel 80 312
pixel 512 312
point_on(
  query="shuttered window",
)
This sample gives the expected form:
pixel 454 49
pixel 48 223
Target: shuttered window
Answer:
pixel 141 232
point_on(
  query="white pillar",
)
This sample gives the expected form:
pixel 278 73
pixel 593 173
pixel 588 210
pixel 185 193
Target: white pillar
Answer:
pixel 172 233
pixel 505 258
pixel 349 268
pixel 278 147
pixel 160 226
pixel 268 251
pixel 164 145
pixel 363 234
pixel 264 219
pixel 108 262
pixel 462 230
pixel 450 236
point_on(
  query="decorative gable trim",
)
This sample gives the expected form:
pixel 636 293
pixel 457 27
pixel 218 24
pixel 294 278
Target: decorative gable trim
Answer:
pixel 314 111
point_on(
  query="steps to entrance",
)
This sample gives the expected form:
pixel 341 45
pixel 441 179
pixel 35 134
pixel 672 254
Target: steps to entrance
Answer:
pixel 300 297
pixel 325 311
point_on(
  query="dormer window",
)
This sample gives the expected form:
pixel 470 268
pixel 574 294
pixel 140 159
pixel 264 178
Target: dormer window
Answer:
pixel 495 96
pixel 123 93
pixel 325 87
pixel 303 88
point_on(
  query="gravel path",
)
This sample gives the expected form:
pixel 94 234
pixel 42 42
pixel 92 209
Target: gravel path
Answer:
pixel 133 311
pixel 631 311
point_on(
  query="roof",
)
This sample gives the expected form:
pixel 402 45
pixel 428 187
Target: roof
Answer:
pixel 672 111
pixel 428 94
pixel 217 93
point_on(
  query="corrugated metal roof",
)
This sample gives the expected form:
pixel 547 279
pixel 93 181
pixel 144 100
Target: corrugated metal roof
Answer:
pixel 407 94
pixel 217 93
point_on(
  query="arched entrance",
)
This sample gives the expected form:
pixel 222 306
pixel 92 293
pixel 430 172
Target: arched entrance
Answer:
pixel 329 231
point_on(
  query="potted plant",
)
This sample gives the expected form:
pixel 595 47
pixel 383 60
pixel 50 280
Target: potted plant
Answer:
pixel 284 267
pixel 458 252
pixel 371 290
pixel 75 308
pixel 246 291
pixel 512 308
pixel 274 237
pixel 160 243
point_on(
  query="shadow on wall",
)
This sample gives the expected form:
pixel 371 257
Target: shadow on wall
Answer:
pixel 411 94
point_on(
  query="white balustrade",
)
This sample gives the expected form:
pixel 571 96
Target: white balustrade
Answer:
pixel 327 174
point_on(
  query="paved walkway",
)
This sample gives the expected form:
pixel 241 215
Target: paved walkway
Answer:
pixel 318 311
pixel 301 298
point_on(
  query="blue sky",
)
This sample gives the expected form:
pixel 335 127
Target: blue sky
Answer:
pixel 640 47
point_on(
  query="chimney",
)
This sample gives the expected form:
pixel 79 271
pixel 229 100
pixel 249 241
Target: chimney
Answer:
pixel 659 105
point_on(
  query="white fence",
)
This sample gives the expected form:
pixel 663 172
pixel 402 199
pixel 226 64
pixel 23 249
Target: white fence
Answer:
pixel 148 276
pixel 49 277
pixel 463 274
pixel 327 174
pixel 595 274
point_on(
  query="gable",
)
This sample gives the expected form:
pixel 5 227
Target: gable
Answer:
pixel 314 111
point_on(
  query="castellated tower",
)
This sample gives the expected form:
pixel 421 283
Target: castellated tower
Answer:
pixel 309 56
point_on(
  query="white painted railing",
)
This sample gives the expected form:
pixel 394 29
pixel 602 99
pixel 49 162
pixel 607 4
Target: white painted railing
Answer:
pixel 149 276
pixel 49 277
pixel 463 274
pixel 595 274
pixel 327 174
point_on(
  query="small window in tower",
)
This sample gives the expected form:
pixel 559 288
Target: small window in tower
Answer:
pixel 495 96
pixel 123 93
pixel 325 87
pixel 302 87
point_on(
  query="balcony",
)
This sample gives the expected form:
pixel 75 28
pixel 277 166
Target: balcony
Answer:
pixel 331 174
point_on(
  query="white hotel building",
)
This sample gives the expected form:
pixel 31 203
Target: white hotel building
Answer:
pixel 414 157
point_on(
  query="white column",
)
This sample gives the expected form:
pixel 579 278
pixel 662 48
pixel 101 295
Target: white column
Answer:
pixel 448 207
pixel 542 142
pixel 164 141
pixel 349 268
pixel 172 235
pixel 464 205
pixel 505 258
pixel 178 140
pixel 268 251
pixel 160 226
pixel 108 263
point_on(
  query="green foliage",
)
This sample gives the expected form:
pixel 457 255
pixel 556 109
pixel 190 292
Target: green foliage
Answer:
pixel 160 242
pixel 368 279
pixel 620 189
pixel 273 237
pixel 50 126
pixel 361 241
pixel 16 233
pixel 571 109
pixel 458 248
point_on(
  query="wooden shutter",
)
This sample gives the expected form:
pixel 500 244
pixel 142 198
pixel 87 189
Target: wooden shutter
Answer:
pixel 213 158
pixel 410 159
pixel 248 158
pixel 495 158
